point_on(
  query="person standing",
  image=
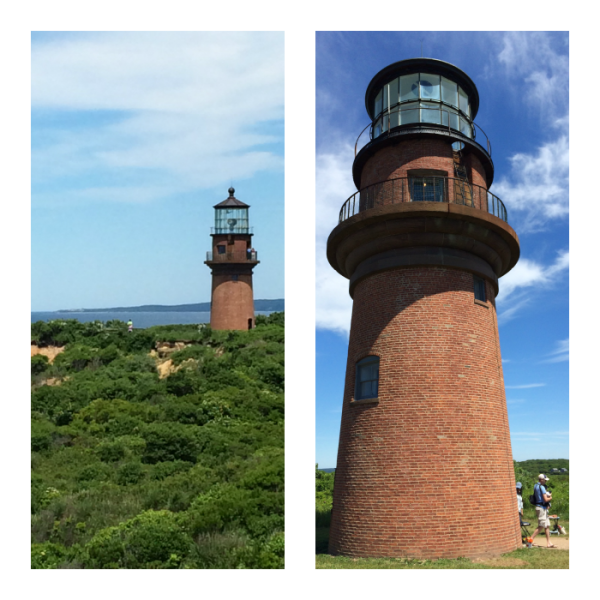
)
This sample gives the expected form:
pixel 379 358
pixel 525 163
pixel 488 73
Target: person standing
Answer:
pixel 542 504
pixel 130 326
pixel 520 497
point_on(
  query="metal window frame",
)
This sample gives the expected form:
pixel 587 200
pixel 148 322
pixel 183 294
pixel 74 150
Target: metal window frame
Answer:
pixel 479 288
pixel 363 362
pixel 378 120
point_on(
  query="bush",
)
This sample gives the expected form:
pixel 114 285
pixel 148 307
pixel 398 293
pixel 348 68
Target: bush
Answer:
pixel 47 555
pixel 130 473
pixel 111 451
pixel 153 539
pixel 39 363
pixel 169 442
pixel 42 433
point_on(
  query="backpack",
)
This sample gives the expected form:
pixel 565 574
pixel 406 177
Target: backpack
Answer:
pixel 532 499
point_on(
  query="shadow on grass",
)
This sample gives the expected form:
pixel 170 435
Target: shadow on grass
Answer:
pixel 322 539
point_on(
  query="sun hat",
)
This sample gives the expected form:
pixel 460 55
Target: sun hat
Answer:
pixel 542 476
pixel 519 486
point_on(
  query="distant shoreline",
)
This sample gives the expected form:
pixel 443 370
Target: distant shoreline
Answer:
pixel 277 305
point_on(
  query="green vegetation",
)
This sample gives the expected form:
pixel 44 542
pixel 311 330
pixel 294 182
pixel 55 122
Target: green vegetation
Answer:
pixel 527 473
pixel 130 470
pixel 530 558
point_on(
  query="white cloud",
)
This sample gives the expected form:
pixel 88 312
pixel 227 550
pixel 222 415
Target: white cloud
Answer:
pixel 519 286
pixel 536 191
pixel 545 434
pixel 559 354
pixel 334 186
pixel 536 68
pixel 177 111
pixel 525 386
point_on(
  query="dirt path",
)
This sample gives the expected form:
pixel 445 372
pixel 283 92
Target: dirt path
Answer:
pixel 560 541
pixel 50 351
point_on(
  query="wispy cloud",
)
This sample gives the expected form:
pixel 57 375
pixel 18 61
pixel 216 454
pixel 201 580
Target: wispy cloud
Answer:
pixel 545 434
pixel 536 191
pixel 520 286
pixel 525 386
pixel 536 71
pixel 559 354
pixel 167 112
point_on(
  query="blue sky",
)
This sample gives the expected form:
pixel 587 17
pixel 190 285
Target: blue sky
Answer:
pixel 523 83
pixel 135 137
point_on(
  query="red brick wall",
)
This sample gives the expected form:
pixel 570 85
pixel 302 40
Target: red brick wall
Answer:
pixel 232 301
pixel 396 161
pixel 427 471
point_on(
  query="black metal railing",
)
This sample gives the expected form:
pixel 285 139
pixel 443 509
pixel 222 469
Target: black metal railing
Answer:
pixel 227 230
pixel 239 256
pixel 423 189
pixel 438 117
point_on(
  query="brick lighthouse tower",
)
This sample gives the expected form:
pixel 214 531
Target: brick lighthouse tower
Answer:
pixel 231 262
pixel 424 463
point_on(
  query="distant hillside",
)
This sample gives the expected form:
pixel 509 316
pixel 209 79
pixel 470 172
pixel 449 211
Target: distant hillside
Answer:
pixel 259 305
pixel 544 465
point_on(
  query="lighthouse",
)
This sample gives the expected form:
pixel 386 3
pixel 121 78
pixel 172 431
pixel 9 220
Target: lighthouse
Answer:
pixel 424 464
pixel 231 262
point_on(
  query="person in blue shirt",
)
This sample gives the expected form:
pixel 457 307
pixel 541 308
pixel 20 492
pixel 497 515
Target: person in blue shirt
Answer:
pixel 542 504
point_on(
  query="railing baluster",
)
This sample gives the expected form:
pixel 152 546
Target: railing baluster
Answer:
pixel 394 191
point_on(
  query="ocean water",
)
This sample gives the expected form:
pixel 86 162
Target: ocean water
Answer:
pixel 141 320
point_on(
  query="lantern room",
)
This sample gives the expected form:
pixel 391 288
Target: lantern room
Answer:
pixel 231 216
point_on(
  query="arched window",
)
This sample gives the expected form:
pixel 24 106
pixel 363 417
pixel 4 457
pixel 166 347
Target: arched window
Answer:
pixel 367 378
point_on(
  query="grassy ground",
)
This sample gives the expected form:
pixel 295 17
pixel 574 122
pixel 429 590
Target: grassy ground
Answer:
pixel 525 558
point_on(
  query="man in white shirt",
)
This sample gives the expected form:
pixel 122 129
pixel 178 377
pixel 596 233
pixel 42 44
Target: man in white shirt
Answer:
pixel 520 497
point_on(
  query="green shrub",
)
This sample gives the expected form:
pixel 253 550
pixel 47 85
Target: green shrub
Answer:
pixel 39 363
pixel 111 451
pixel 263 555
pixel 169 442
pixel 130 473
pixel 163 470
pixel 42 433
pixel 153 539
pixel 47 555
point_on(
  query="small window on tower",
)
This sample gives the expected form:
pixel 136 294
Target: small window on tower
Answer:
pixel 221 249
pixel 479 285
pixel 234 278
pixel 367 378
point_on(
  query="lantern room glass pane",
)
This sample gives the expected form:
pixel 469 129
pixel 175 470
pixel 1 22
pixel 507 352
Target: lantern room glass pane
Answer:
pixel 450 117
pixel 449 92
pixel 394 118
pixel 408 115
pixel 231 220
pixel 466 128
pixel 377 108
pixel 430 86
pixel 377 128
pixel 409 87
pixel 430 112
pixel 393 85
pixel 463 101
